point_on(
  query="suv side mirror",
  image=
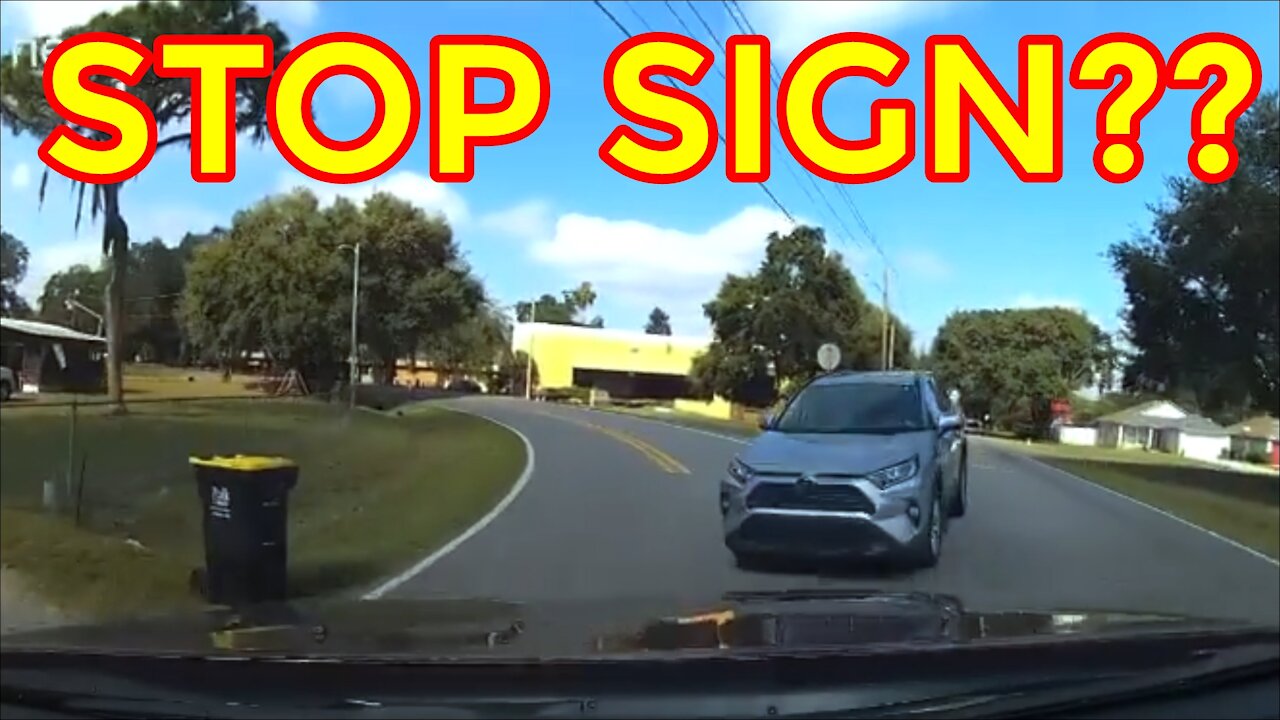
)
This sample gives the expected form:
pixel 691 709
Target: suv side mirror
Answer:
pixel 949 423
pixel 766 421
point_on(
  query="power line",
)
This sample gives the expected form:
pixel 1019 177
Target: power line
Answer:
pixel 786 213
pixel 631 6
pixel 794 177
pixel 742 20
pixel 834 215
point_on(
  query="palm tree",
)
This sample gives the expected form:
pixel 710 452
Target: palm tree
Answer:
pixel 24 109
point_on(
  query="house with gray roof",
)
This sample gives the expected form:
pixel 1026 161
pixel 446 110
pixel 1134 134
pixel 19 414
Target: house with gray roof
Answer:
pixel 1256 436
pixel 1162 425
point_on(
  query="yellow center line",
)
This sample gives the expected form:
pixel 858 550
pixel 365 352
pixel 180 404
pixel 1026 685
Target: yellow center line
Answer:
pixel 662 459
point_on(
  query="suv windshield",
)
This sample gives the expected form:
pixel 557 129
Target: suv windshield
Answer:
pixel 854 407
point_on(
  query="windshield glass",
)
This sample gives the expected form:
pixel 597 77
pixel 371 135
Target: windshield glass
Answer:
pixel 853 408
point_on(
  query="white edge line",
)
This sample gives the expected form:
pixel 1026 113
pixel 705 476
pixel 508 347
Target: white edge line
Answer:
pixel 479 525
pixel 1258 554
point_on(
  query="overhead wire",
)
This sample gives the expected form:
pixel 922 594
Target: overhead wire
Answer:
pixel 774 198
pixel 744 23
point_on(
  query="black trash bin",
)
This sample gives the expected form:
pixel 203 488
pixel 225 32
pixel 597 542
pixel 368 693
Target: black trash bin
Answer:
pixel 245 503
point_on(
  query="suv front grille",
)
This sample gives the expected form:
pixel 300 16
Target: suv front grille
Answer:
pixel 810 496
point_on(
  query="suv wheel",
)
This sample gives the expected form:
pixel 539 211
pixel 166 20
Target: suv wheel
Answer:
pixel 961 502
pixel 6 391
pixel 926 548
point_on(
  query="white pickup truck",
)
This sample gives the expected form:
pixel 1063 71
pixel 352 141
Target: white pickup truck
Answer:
pixel 8 383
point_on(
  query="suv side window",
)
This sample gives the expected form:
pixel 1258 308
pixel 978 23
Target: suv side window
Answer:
pixel 932 402
pixel 943 401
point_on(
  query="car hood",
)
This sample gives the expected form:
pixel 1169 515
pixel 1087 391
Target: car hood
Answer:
pixel 822 453
pixel 451 629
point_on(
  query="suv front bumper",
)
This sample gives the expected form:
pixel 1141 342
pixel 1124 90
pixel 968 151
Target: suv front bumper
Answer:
pixel 887 527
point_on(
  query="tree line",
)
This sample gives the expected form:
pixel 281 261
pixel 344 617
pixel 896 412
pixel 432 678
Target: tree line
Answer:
pixel 1199 325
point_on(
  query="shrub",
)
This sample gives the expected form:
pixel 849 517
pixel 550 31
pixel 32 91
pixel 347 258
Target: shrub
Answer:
pixel 1257 457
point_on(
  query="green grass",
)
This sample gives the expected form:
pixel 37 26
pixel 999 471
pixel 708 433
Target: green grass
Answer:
pixel 146 382
pixel 1242 506
pixel 1250 522
pixel 1102 454
pixel 375 493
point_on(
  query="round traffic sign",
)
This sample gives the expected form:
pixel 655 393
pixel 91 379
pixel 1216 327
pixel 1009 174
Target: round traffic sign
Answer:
pixel 828 357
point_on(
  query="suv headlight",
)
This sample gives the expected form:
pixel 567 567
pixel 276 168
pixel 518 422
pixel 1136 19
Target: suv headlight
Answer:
pixel 895 474
pixel 740 473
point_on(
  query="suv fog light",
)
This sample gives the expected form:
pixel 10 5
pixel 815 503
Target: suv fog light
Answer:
pixel 913 512
pixel 724 502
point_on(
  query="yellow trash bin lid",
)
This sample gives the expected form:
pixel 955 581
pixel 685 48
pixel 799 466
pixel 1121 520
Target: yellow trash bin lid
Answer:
pixel 244 463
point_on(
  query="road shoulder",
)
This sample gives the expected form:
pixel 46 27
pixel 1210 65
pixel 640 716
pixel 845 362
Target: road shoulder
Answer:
pixel 1250 526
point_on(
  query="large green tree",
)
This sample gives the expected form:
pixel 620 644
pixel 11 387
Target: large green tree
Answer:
pixel 571 308
pixel 24 109
pixel 474 345
pixel 158 276
pixel 1014 363
pixel 80 283
pixel 275 282
pixel 659 322
pixel 414 284
pixel 1202 290
pixel 13 268
pixel 279 281
pixel 768 325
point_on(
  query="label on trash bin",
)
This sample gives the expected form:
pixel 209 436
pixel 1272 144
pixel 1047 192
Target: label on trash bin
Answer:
pixel 220 502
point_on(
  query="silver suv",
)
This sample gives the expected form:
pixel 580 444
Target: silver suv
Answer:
pixel 856 464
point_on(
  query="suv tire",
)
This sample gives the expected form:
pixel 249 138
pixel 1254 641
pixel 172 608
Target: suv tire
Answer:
pixel 961 502
pixel 6 391
pixel 926 547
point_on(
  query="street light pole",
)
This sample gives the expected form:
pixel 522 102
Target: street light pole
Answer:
pixel 354 359
pixel 528 356
pixel 73 304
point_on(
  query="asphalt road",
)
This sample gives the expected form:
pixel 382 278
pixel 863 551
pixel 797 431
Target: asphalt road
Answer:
pixel 621 507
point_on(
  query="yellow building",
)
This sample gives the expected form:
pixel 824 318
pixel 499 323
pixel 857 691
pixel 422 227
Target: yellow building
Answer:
pixel 621 362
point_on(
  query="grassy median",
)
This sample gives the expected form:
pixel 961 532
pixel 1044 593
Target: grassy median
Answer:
pixel 376 492
pixel 1242 506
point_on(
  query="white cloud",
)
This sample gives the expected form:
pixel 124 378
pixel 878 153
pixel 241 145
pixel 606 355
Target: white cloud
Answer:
pixel 642 265
pixel 418 189
pixel 924 264
pixel 51 17
pixel 21 175
pixel 530 221
pixel 793 24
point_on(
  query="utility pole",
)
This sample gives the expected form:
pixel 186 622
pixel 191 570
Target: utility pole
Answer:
pixel 888 318
pixel 884 321
pixel 528 356
pixel 354 360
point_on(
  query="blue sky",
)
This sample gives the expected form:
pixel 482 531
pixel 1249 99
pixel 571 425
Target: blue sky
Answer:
pixel 546 213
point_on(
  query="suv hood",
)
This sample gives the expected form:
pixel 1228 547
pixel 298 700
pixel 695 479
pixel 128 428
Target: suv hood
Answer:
pixel 821 453
pixel 491 629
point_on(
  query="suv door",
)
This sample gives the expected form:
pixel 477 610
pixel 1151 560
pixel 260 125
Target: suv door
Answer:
pixel 946 444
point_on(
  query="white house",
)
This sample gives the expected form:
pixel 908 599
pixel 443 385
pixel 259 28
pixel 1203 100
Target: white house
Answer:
pixel 1162 425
